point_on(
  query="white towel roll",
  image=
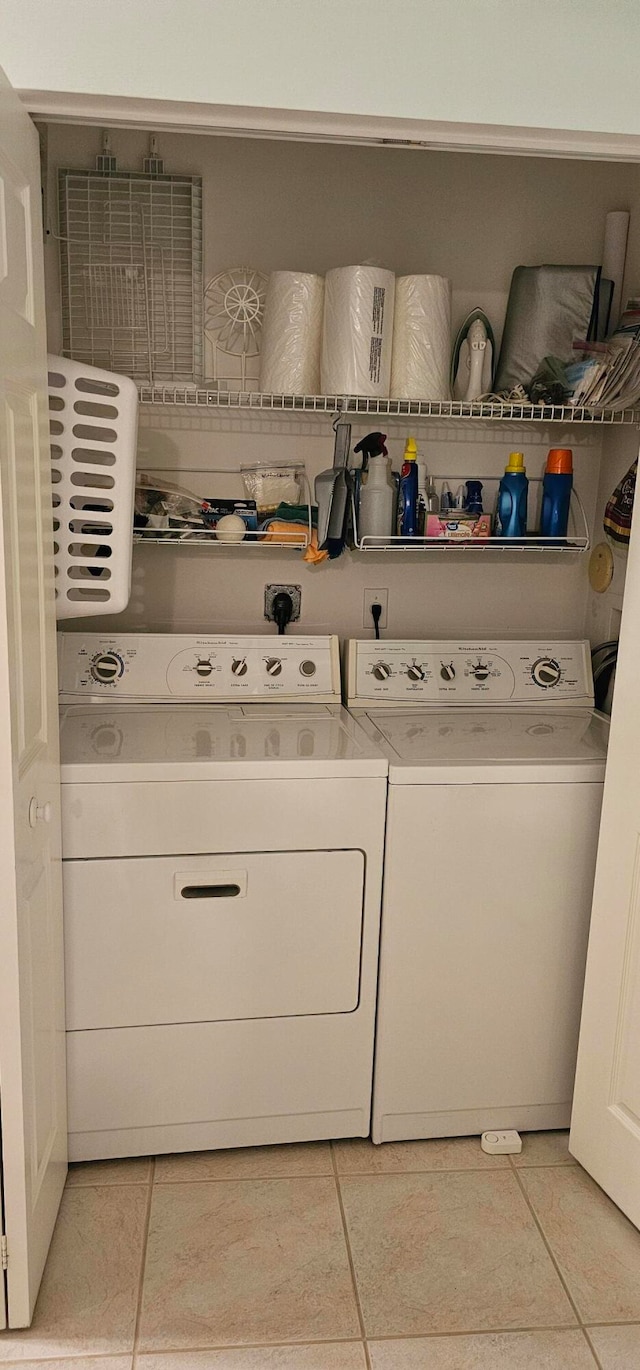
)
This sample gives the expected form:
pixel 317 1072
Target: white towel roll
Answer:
pixel 421 338
pixel 292 334
pixel 358 331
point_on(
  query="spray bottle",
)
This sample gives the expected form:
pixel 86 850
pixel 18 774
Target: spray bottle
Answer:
pixel 377 488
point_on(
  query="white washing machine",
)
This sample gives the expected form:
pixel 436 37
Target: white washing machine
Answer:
pixel 496 766
pixel 223 834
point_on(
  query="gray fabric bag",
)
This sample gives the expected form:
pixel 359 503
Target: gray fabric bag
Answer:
pixel 549 307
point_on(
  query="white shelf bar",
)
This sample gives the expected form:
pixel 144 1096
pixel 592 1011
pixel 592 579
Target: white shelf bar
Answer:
pixel 295 541
pixel 196 397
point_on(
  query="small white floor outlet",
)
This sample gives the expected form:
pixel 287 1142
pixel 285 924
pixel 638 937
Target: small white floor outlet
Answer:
pixel 501 1143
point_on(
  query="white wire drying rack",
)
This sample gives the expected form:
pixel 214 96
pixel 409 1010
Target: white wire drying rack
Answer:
pixel 576 541
pixel 131 272
pixel 202 397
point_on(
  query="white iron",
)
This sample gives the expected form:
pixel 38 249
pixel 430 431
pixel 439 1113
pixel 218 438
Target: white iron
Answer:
pixel 472 362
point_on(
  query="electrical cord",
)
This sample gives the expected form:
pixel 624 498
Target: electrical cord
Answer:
pixel 282 611
pixel 376 614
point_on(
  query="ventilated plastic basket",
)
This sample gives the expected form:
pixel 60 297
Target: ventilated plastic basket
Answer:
pixel 93 425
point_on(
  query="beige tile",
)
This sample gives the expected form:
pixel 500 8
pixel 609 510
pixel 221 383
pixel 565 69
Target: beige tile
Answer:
pixel 84 1363
pixel 88 1296
pixel 135 1170
pixel 359 1156
pixel 247 1163
pixel 447 1253
pixel 328 1356
pixel 246 1261
pixel 487 1351
pixel 618 1347
pixel 544 1148
pixel 596 1247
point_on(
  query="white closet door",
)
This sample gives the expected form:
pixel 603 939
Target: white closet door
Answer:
pixel 32 1067
pixel 605 1127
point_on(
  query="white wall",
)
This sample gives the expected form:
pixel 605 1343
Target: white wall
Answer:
pixel 563 64
pixel 472 218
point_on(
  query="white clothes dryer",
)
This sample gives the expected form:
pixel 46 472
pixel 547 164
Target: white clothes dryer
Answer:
pixel 496 767
pixel 223 834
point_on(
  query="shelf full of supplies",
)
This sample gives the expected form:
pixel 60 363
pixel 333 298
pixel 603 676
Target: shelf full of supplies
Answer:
pixel 201 397
pixel 197 530
pixel 576 540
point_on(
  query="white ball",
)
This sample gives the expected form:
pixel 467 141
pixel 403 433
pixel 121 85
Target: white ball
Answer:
pixel 231 528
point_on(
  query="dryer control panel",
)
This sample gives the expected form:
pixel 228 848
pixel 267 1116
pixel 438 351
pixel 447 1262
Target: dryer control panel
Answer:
pixel 197 669
pixel 472 672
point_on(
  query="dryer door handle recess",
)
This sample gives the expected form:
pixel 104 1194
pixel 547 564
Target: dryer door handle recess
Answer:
pixel 211 884
pixel 210 891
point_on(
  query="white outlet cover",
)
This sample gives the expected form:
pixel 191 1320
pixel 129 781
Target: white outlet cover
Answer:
pixel 375 597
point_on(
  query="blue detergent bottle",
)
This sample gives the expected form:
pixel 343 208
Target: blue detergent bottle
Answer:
pixel 557 485
pixel 511 514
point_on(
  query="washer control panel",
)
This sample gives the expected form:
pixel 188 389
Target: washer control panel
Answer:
pixel 158 666
pixel 469 672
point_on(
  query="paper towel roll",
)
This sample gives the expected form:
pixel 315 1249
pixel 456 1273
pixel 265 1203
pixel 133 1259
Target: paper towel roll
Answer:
pixel 292 334
pixel 358 331
pixel 616 229
pixel 421 338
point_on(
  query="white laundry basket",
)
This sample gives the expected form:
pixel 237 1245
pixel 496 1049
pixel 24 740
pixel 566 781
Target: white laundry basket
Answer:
pixel 93 424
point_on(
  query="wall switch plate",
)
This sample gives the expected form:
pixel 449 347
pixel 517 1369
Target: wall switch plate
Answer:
pixel 501 1143
pixel 270 592
pixel 380 597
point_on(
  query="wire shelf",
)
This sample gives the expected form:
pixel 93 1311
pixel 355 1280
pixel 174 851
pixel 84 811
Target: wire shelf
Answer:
pixel 576 541
pixel 195 397
pixel 296 541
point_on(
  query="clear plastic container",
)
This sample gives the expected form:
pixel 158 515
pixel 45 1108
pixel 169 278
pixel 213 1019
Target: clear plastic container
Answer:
pixel 271 485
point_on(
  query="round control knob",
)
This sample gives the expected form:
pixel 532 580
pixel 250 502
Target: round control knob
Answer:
pixel 480 671
pixel 415 672
pixel 447 670
pixel 106 668
pixel 307 668
pixel 274 665
pixel 203 669
pixel 239 666
pixel 381 670
pixel 545 673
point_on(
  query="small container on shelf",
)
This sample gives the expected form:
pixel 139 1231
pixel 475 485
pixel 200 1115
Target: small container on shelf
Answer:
pixel 272 484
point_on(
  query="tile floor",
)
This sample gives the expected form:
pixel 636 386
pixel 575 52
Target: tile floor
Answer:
pixel 343 1256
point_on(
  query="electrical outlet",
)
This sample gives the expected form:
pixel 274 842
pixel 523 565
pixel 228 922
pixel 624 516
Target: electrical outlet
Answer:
pixel 380 597
pixel 270 592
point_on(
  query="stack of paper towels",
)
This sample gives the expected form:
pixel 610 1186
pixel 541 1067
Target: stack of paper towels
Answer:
pixel 421 338
pixel 357 332
pixel 292 334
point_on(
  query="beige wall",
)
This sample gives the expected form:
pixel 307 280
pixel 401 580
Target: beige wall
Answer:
pixel 284 205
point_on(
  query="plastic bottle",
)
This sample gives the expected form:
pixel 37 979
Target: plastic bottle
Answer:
pixel 446 498
pixel 408 499
pixel 423 504
pixel 433 503
pixel 556 493
pixel 377 499
pixel 511 514
pixel 473 497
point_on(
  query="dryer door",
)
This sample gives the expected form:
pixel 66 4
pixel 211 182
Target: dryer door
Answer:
pixel 185 939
